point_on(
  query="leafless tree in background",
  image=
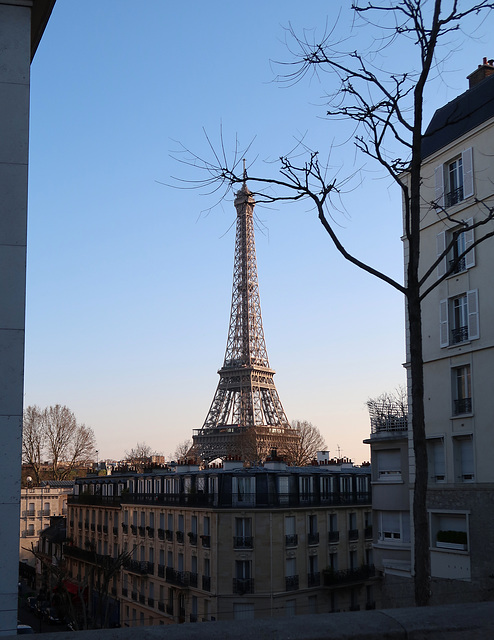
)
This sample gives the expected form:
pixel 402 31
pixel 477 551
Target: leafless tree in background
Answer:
pixel 139 456
pixel 310 441
pixel 182 450
pixel 33 440
pixel 54 435
pixel 386 110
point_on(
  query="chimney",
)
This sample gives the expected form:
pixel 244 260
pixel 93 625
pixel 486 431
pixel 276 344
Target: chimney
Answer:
pixel 482 72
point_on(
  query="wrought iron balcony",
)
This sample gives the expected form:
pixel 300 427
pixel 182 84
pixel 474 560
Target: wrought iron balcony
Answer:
pixel 125 592
pixel 459 266
pixel 361 574
pixel 242 586
pixel 353 534
pixel 169 535
pixel 192 579
pixel 291 540
pixel 134 595
pixel 161 534
pixel 142 567
pixel 454 196
pixel 142 598
pixel 206 583
pixel 150 531
pixel 180 578
pixel 192 538
pixel 459 335
pixel 313 579
pixel 313 538
pixel 125 527
pixel 161 606
pixel 463 405
pixel 161 571
pixel 133 528
pixel 142 531
pixel 150 602
pixel 180 536
pixel 243 542
pixel 333 536
pixel 368 532
pixel 206 541
pixel 291 583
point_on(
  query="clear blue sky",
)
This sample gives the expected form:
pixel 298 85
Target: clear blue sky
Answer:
pixel 129 281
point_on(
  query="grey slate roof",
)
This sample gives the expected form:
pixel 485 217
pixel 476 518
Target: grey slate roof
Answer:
pixel 459 116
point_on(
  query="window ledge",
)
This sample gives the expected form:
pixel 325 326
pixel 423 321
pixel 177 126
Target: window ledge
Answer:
pixel 386 482
pixel 462 416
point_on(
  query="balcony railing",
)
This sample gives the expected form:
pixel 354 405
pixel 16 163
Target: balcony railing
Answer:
pixel 142 598
pixel 169 535
pixel 459 266
pixel 459 335
pixel 134 595
pixel 368 532
pixel 464 405
pixel 192 538
pixel 291 583
pixel 313 538
pixel 291 540
pixel 86 555
pixel 125 527
pixel 133 528
pixel 193 579
pixel 125 592
pixel 161 606
pixel 150 531
pixel 150 602
pixel 206 541
pixel 142 567
pixel 353 534
pixel 313 579
pixel 179 578
pixel 333 536
pixel 206 583
pixel 243 542
pixel 161 571
pixel 361 574
pixel 142 531
pixel 180 536
pixel 454 196
pixel 161 534
pixel 242 586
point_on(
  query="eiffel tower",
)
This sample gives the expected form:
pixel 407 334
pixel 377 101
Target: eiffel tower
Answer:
pixel 246 417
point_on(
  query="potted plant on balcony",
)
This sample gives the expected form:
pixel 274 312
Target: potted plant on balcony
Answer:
pixel 448 539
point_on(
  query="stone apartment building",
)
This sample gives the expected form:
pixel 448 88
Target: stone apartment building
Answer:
pixel 38 505
pixel 226 542
pixel 458 351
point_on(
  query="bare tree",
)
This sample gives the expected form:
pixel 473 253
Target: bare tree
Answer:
pixel 310 441
pixel 386 110
pixel 182 451
pixel 33 440
pixel 389 410
pixel 139 456
pixel 53 434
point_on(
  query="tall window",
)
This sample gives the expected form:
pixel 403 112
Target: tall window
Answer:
pixel 459 318
pixel 464 461
pixel 462 390
pixel 437 466
pixel 454 180
pixel 243 490
pixel 243 533
pixel 388 465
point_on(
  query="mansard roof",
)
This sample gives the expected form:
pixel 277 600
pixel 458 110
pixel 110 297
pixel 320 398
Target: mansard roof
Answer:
pixel 459 116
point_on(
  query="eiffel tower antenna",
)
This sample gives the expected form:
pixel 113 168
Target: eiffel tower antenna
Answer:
pixel 246 417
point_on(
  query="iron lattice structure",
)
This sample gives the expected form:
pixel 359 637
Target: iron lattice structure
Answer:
pixel 246 417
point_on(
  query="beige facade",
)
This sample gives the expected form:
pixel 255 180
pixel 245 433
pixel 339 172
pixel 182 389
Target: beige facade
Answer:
pixel 38 504
pixel 226 544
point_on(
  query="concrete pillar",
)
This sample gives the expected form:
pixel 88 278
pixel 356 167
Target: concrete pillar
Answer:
pixel 15 57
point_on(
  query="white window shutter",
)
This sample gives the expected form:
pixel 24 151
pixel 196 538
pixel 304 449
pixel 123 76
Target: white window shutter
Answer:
pixel 443 324
pixel 473 314
pixel 440 247
pixel 467 161
pixel 469 238
pixel 439 185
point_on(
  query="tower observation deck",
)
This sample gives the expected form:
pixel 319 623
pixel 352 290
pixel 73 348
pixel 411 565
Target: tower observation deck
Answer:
pixel 246 417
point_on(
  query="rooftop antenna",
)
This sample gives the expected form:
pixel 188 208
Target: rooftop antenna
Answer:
pixel 245 173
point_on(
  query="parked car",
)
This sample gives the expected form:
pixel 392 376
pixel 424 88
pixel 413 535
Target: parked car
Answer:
pixel 24 628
